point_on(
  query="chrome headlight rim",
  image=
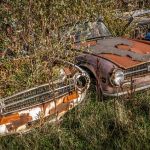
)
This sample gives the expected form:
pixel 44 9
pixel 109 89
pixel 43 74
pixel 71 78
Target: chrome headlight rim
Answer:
pixel 113 77
pixel 86 81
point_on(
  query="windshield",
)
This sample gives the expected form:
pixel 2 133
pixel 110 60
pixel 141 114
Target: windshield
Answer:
pixel 88 30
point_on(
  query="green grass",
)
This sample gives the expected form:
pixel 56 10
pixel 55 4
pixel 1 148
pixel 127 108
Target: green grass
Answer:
pixel 121 123
pixel 112 124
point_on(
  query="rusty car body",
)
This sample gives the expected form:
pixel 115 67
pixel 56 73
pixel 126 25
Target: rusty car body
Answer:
pixel 21 112
pixel 118 65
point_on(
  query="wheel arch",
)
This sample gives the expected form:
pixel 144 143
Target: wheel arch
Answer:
pixel 92 73
pixel 90 70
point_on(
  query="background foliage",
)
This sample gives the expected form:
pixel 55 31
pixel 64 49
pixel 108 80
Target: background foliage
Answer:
pixel 112 124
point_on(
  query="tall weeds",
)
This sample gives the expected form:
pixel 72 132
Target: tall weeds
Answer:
pixel 32 27
pixel 33 38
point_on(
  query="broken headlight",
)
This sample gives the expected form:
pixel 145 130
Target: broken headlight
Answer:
pixel 117 77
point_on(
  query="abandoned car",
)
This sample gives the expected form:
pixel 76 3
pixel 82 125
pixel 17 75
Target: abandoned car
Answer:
pixel 118 65
pixel 45 103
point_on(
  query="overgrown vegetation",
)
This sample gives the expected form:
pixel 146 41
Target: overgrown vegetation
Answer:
pixel 111 124
pixel 33 41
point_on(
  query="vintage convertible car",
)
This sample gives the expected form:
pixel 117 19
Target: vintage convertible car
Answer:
pixel 45 103
pixel 118 65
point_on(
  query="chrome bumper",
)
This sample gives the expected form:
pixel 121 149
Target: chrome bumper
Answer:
pixel 126 92
pixel 140 84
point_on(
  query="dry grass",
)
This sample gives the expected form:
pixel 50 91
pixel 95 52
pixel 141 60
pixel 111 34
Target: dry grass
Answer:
pixel 93 125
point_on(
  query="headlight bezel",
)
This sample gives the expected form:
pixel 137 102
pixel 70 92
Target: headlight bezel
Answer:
pixel 115 74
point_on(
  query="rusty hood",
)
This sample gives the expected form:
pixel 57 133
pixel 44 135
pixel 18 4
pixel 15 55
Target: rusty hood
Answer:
pixel 125 53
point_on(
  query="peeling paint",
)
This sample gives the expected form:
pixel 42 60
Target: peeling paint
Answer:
pixel 16 116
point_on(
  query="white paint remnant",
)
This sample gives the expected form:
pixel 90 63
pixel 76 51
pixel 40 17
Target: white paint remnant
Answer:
pixel 34 113
pixel 3 129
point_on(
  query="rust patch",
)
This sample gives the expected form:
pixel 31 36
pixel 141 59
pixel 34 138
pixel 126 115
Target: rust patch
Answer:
pixel 9 118
pixel 24 118
pixel 122 61
pixel 30 106
pixel 140 47
pixel 71 96
pixel 116 49
pixel 127 61
pixel 143 41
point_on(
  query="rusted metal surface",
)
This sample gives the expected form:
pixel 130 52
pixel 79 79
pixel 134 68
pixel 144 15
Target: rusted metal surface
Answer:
pixel 132 69
pixel 108 54
pixel 143 41
pixel 102 57
pixel 136 52
pixel 19 112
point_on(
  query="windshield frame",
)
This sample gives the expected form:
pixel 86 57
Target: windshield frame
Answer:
pixel 72 31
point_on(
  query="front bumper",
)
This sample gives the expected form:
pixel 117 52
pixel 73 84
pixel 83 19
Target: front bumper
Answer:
pixel 130 86
pixel 125 92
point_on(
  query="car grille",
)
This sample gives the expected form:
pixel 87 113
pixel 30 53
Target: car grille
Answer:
pixel 36 96
pixel 137 71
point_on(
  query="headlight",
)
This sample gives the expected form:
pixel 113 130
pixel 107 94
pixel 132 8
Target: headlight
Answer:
pixel 117 77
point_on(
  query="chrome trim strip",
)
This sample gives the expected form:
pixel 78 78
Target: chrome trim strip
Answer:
pixel 47 84
pixel 126 92
pixel 22 92
pixel 136 71
pixel 21 109
pixel 38 95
